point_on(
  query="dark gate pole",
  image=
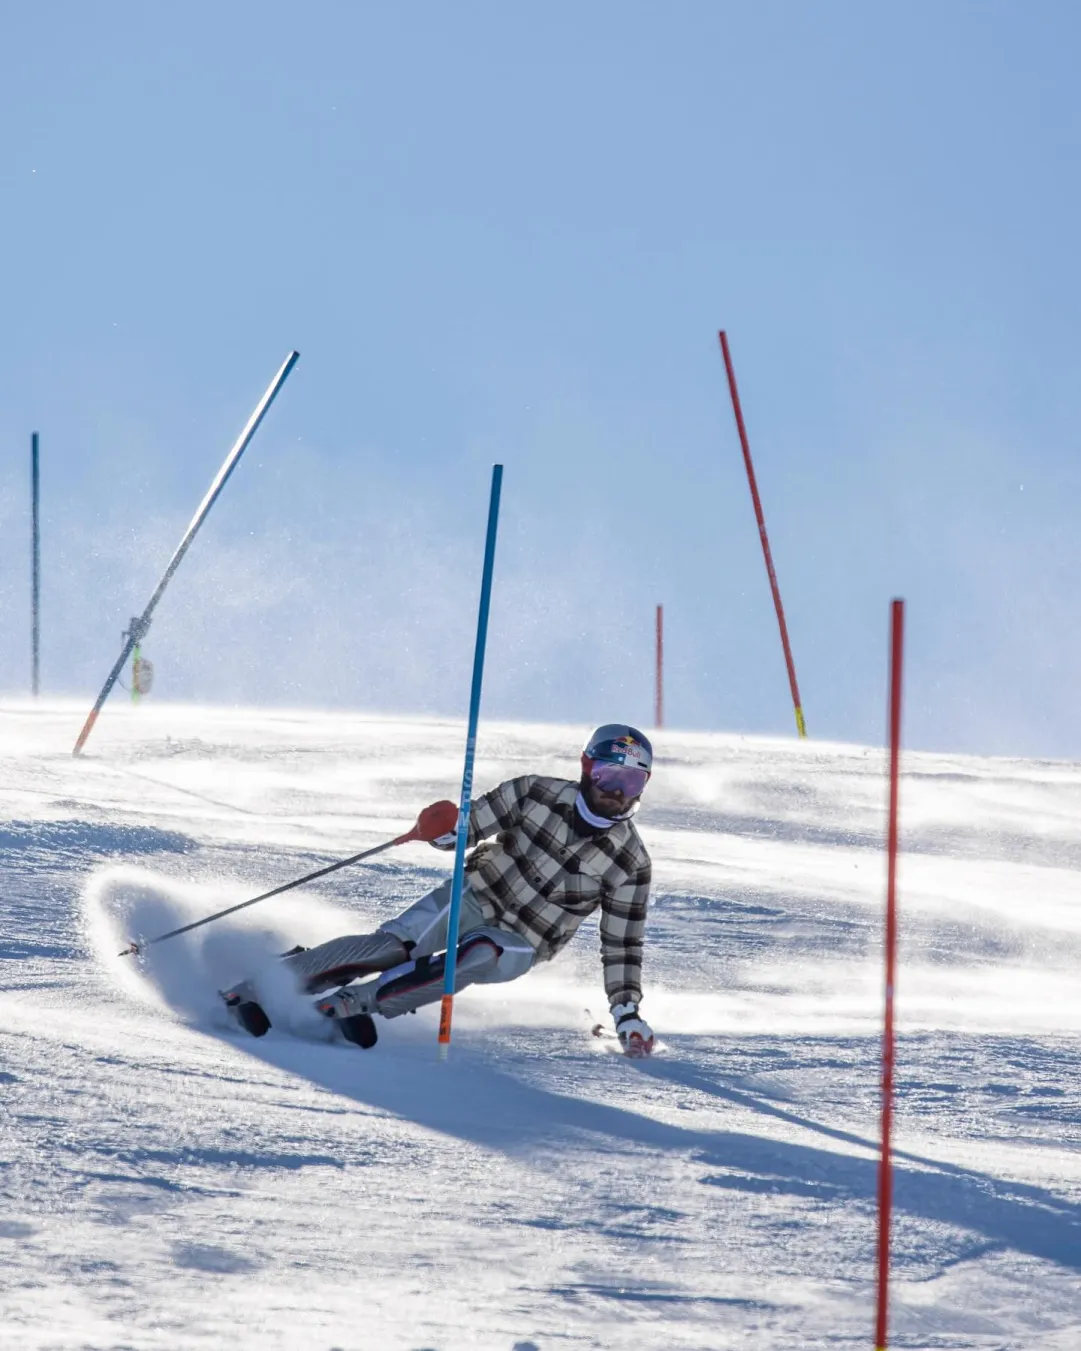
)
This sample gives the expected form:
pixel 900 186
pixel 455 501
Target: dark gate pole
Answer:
pixel 35 565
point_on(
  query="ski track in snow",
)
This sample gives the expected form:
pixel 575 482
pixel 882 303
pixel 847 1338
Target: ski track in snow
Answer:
pixel 169 1183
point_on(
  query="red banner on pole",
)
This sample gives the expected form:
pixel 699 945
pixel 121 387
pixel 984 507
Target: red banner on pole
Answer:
pixel 885 1165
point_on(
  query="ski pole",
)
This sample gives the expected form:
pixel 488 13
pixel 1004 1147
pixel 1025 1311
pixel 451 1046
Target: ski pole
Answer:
pixel 134 949
pixel 455 916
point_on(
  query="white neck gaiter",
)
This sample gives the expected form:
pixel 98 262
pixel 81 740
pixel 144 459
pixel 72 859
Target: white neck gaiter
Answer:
pixel 592 819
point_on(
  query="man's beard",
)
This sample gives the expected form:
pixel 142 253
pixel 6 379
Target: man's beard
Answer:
pixel 628 809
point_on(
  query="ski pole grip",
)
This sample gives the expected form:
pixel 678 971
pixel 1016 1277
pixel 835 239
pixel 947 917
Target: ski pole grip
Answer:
pixel 441 818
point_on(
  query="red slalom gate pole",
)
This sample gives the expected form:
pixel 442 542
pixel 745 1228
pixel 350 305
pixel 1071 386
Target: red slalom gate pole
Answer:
pixel 658 696
pixel 885 1165
pixel 801 726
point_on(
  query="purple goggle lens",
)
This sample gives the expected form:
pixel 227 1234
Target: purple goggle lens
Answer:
pixel 625 779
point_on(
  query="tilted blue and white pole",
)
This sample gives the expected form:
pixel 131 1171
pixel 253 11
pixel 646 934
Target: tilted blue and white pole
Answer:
pixel 137 630
pixel 455 917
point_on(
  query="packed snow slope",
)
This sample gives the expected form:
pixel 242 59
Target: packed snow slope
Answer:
pixel 169 1183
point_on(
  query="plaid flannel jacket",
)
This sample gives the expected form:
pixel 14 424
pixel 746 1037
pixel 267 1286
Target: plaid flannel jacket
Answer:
pixel 540 878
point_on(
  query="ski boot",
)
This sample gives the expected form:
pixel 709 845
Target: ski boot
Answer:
pixel 351 1008
pixel 245 1009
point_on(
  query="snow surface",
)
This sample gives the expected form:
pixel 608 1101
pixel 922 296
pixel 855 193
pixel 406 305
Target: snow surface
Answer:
pixel 170 1183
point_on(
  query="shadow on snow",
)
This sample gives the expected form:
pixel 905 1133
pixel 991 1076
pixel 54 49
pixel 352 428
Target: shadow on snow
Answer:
pixel 477 1102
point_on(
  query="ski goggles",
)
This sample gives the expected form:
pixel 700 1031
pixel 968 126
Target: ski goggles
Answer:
pixel 626 779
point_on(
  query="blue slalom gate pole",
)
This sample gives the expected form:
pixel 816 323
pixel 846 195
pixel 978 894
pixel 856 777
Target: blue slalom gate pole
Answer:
pixel 455 917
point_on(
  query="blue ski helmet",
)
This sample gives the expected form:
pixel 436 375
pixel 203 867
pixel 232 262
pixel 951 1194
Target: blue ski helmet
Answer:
pixel 619 744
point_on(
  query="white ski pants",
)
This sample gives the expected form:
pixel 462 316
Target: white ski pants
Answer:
pixel 424 927
pixel 414 936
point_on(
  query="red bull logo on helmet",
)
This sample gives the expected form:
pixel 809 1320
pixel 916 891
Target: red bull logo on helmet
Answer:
pixel 635 755
pixel 629 752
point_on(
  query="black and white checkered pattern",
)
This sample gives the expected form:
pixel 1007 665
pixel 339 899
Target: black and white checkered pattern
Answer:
pixel 540 877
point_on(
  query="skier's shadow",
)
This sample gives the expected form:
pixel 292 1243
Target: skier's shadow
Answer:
pixel 474 1100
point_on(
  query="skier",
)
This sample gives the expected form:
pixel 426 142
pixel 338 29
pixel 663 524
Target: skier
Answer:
pixel 548 853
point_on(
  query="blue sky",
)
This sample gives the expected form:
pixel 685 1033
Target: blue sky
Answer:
pixel 511 232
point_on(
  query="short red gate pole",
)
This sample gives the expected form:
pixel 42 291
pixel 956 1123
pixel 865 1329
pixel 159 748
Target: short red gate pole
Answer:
pixel 658 696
